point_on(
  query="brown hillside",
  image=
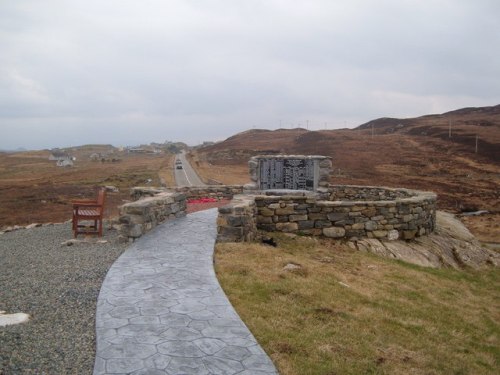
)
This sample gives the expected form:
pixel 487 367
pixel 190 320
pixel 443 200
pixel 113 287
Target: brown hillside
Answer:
pixel 419 154
pixel 466 124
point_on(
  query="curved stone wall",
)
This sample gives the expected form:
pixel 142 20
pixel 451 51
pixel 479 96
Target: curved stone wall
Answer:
pixel 349 212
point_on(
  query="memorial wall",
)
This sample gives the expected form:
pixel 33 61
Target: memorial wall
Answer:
pixel 289 172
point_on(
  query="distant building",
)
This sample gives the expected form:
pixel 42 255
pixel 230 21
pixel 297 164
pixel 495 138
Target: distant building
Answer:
pixel 65 163
pixel 95 156
pixel 137 150
pixel 62 159
pixel 59 155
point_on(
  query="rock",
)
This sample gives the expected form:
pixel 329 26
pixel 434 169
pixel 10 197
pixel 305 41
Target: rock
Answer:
pixel 292 267
pixel 287 227
pixel 344 284
pixel 334 232
pixel 392 235
pixel 70 242
pixel 34 225
pixel 10 319
pixel 452 245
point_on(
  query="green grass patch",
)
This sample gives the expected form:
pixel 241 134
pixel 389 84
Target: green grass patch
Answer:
pixel 347 312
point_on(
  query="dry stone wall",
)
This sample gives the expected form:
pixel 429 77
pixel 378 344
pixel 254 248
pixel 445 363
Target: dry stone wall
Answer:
pixel 357 212
pixel 139 217
pixel 236 221
pixel 213 191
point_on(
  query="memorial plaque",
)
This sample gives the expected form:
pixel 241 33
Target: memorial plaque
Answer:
pixel 295 174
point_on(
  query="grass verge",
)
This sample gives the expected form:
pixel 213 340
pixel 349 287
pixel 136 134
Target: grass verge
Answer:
pixel 346 312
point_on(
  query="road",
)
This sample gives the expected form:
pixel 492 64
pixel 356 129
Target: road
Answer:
pixel 185 176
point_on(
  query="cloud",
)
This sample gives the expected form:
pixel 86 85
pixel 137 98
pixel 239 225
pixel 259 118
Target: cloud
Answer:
pixel 195 70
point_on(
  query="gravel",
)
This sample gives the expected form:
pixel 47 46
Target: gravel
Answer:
pixel 58 286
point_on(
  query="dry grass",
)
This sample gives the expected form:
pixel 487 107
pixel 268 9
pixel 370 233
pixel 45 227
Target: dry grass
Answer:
pixel 166 172
pixel 34 189
pixel 228 174
pixel 345 312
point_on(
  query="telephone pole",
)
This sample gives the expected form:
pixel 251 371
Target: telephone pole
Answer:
pixel 476 143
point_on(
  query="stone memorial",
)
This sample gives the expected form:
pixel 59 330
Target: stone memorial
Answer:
pixel 289 172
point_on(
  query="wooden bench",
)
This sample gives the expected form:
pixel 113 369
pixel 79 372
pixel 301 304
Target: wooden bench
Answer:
pixel 89 210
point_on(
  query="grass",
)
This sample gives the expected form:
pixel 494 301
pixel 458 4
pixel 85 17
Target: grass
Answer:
pixel 346 312
pixel 166 172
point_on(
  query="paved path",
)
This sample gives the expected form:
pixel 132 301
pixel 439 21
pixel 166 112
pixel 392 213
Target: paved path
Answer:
pixel 161 309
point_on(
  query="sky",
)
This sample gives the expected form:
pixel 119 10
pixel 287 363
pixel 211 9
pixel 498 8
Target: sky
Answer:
pixel 125 72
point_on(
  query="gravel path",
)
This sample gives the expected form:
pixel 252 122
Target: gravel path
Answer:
pixel 58 286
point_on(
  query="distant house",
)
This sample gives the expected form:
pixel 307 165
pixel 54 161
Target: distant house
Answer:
pixel 95 156
pixel 64 163
pixel 137 150
pixel 62 158
pixel 59 155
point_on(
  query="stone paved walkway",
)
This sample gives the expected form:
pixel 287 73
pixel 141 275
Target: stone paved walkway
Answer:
pixel 161 309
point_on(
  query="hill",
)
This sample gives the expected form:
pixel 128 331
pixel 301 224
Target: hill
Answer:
pixel 459 126
pixel 414 153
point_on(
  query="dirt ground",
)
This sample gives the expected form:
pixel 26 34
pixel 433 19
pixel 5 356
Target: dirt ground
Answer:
pixel 34 190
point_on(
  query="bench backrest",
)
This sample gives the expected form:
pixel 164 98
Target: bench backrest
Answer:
pixel 101 197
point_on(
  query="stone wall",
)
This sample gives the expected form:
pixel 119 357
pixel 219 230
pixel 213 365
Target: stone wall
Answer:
pixel 236 221
pixel 356 212
pixel 139 217
pixel 212 191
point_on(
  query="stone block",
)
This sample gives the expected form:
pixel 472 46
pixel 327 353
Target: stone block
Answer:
pixel 371 225
pixel 287 227
pixel 369 212
pixel 298 217
pixel 407 218
pixel 392 235
pixel 267 227
pixel 358 226
pixel 306 224
pixel 264 220
pixel 334 232
pixel 135 230
pixel 317 216
pixel 322 224
pixel 231 232
pixel 290 210
pixel 227 209
pixel 264 211
pixel 337 216
pixel 235 221
pixel 409 234
pixel 380 233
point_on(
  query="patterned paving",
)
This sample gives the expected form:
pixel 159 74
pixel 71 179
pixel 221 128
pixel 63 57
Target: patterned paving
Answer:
pixel 161 309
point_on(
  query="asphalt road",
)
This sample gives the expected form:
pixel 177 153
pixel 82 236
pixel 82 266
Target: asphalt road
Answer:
pixel 185 176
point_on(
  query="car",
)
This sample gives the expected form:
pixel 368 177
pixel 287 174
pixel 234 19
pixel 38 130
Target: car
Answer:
pixel 179 167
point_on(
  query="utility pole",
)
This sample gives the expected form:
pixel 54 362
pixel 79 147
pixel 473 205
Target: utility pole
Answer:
pixel 449 129
pixel 325 125
pixel 280 124
pixel 476 143
pixel 372 130
pixel 307 124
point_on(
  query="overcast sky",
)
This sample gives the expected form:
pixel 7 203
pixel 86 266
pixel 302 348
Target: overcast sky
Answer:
pixel 128 72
